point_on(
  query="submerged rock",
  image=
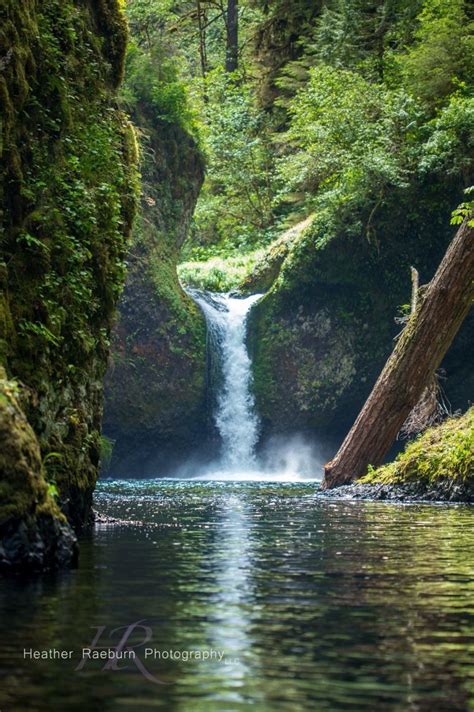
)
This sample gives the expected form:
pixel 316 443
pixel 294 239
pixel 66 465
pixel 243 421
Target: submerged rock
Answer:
pixel 443 491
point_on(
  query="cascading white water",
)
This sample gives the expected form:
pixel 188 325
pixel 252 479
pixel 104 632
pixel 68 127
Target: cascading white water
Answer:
pixel 284 458
pixel 235 415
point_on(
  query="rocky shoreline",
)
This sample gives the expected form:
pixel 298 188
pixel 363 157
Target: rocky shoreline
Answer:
pixel 444 491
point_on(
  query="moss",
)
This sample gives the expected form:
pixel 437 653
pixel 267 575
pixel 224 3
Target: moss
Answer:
pixel 68 191
pixel 113 28
pixel 444 452
pixel 155 386
pixel 269 263
pixel 23 489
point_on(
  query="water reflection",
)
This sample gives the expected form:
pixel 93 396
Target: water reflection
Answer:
pixel 317 605
pixel 231 608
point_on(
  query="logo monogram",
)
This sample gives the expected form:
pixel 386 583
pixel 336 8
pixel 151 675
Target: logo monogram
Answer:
pixel 123 651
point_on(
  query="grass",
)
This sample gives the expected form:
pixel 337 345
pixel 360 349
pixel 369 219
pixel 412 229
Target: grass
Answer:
pixel 219 274
pixel 260 266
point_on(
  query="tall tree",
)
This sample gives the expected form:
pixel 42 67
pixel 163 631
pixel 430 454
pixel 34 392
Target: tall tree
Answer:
pixel 418 353
pixel 202 22
pixel 232 53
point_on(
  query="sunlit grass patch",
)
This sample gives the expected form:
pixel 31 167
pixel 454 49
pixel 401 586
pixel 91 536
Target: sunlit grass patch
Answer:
pixel 219 274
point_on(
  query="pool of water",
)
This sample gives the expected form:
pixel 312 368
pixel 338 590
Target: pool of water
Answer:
pixel 250 596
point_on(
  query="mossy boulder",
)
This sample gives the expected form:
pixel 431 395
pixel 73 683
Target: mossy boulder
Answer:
pixel 440 462
pixel 29 514
pixel 323 332
pixel 267 268
pixel 68 189
pixel 155 386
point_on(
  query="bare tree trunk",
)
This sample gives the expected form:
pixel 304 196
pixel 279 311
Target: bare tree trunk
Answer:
pixel 417 355
pixel 232 53
pixel 202 21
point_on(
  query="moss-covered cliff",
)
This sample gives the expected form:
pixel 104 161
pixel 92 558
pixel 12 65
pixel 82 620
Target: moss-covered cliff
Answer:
pixel 155 387
pixel 323 332
pixel 67 192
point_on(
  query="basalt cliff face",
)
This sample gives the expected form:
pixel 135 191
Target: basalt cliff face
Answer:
pixel 68 185
pixel 155 387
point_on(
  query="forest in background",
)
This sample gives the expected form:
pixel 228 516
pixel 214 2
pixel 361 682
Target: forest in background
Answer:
pixel 336 144
pixel 304 108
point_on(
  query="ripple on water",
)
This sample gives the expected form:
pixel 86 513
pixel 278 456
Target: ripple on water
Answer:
pixel 316 604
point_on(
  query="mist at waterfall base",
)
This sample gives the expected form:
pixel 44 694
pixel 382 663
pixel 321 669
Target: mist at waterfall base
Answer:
pixel 285 458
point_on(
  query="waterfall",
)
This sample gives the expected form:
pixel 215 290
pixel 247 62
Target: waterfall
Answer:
pixel 282 458
pixel 235 416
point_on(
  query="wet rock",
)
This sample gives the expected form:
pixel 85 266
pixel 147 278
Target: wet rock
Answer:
pixel 443 491
pixel 155 398
pixel 44 543
pixel 34 534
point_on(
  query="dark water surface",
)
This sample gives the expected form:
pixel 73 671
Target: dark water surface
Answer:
pixel 314 605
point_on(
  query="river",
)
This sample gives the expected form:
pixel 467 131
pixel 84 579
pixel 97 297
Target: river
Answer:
pixel 314 605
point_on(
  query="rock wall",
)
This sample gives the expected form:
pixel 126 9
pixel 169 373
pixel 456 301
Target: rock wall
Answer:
pixel 323 332
pixel 68 185
pixel 155 388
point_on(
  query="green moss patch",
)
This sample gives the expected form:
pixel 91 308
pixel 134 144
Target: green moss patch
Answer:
pixel 23 489
pixel 442 452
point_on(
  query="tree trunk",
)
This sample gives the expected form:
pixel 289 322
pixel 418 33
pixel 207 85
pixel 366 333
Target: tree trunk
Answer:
pixel 417 355
pixel 202 21
pixel 232 53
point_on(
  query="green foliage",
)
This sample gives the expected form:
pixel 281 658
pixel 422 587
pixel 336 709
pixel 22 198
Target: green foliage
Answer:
pixel 362 34
pixel 369 98
pixel 235 209
pixel 76 214
pixel 217 274
pixel 449 145
pixel 349 137
pixel 106 451
pixel 152 80
pixel 465 211
pixel 53 490
pixel 441 60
